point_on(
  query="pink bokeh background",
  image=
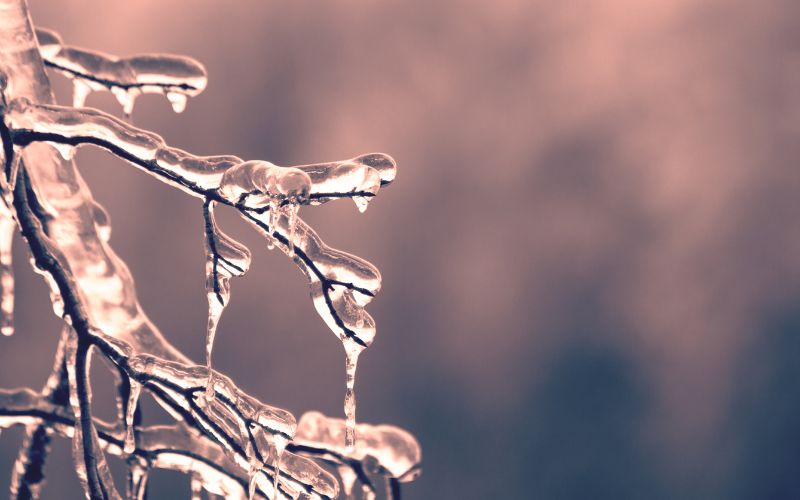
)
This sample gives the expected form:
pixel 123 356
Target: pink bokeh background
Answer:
pixel 590 256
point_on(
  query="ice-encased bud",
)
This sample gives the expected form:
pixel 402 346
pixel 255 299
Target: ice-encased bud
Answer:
pixel 258 183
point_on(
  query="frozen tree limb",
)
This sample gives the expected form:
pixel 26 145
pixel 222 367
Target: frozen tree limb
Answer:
pixel 177 77
pixel 341 283
pixel 230 442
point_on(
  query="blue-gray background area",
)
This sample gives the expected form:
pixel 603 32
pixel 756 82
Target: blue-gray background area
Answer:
pixel 590 256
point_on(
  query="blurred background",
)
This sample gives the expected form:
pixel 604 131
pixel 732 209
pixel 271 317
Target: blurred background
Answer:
pixel 590 256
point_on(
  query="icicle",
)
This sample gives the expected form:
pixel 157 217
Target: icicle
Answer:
pixel 279 442
pixel 196 486
pixel 67 151
pixel 133 401
pixel 348 477
pixel 367 493
pixel 126 98
pixel 225 258
pixel 252 478
pixel 215 309
pixel 177 100
pixel 80 91
pixel 7 227
pixel 362 202
pixel 137 479
pixel 352 350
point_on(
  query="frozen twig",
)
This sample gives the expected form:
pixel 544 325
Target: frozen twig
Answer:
pixel 228 441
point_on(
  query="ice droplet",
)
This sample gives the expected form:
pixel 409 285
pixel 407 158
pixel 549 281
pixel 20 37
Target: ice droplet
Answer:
pixel 126 98
pixel 80 91
pixel 362 202
pixel 133 401
pixel 196 486
pixel 178 101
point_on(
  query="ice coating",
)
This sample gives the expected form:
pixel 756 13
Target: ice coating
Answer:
pixel 195 174
pixel 225 259
pixel 341 284
pixel 77 360
pixel 236 405
pixel 396 451
pixel 177 77
pixel 256 183
pixel 7 229
pixel 359 178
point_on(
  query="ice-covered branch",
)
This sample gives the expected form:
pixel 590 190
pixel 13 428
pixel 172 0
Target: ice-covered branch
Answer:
pixel 172 447
pixel 266 195
pixel 231 443
pixel 177 77
pixel 241 425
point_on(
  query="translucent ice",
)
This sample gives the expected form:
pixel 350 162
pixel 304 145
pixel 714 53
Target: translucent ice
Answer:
pixel 225 259
pixel 7 229
pixel 130 410
pixel 395 450
pixel 256 184
pixel 177 77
